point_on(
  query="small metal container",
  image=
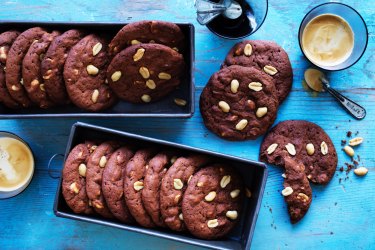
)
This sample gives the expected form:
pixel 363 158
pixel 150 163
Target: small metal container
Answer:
pixel 163 108
pixel 254 174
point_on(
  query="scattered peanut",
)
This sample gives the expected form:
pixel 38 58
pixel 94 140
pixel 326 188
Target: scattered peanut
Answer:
pixel 361 171
pixel 349 151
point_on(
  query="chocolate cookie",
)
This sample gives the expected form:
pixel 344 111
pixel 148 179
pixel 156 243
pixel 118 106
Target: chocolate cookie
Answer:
pixel 211 205
pixel 31 70
pixel 297 191
pixel 305 142
pixel 157 168
pixel 173 187
pixel 113 184
pixel 239 103
pixel 6 40
pixel 74 178
pixel 16 54
pixel 133 185
pixel 160 32
pixel 94 176
pixel 266 56
pixel 85 74
pixel 145 72
pixel 53 65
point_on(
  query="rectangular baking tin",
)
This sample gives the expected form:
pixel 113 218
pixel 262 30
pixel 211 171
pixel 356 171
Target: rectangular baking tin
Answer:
pixel 163 108
pixel 254 173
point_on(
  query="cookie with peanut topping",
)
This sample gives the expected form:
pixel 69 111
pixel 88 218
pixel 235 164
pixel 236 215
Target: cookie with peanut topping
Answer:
pixel 85 74
pixel 305 142
pixel 145 73
pixel 157 168
pixel 239 103
pixel 135 171
pixel 160 32
pixel 266 56
pixel 113 184
pixel 212 203
pixel 94 177
pixel 31 70
pixel 297 191
pixel 173 187
pixel 6 40
pixel 74 178
pixel 13 74
pixel 53 65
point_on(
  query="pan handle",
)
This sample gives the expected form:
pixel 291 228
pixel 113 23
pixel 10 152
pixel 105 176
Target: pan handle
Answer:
pixel 54 173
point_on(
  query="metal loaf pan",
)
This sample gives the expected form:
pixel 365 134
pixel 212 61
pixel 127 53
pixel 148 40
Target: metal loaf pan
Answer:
pixel 163 108
pixel 254 174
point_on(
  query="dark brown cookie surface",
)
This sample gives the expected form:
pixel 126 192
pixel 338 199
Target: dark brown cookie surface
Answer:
pixel 85 74
pixel 133 185
pixel 239 103
pixel 53 65
pixel 31 70
pixel 212 202
pixel 173 187
pixel 74 179
pixel 6 40
pixel 297 191
pixel 157 168
pixel 16 54
pixel 94 176
pixel 266 56
pixel 145 72
pixel 113 184
pixel 294 138
pixel 160 32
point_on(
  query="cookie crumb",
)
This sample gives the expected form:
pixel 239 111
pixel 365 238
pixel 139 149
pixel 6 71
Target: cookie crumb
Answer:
pixel 349 134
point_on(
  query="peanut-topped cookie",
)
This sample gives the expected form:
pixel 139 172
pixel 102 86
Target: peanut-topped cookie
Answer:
pixel 85 74
pixel 239 103
pixel 160 32
pixel 94 177
pixel 157 168
pixel 113 184
pixel 297 191
pixel 6 40
pixel 266 56
pixel 31 70
pixel 16 54
pixel 305 142
pixel 173 187
pixel 133 185
pixel 212 202
pixel 74 178
pixel 53 65
pixel 145 72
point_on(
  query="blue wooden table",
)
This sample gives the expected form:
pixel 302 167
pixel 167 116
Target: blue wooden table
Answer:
pixel 342 213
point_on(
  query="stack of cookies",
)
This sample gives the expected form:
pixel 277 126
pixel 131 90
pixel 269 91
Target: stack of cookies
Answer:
pixel 153 188
pixel 44 69
pixel 307 154
pixel 241 100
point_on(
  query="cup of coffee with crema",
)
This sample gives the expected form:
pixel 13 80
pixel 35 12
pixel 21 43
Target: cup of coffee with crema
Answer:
pixel 333 36
pixel 16 165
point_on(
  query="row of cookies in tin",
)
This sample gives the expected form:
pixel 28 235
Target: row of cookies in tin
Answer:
pixel 153 188
pixel 241 100
pixel 39 68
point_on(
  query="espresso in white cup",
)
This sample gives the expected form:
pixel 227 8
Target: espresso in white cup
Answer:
pixel 327 40
pixel 16 166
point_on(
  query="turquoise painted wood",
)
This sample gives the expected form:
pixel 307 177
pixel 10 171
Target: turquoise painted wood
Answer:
pixel 342 213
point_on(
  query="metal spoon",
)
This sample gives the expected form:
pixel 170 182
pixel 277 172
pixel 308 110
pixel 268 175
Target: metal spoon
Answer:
pixel 356 110
pixel 208 10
